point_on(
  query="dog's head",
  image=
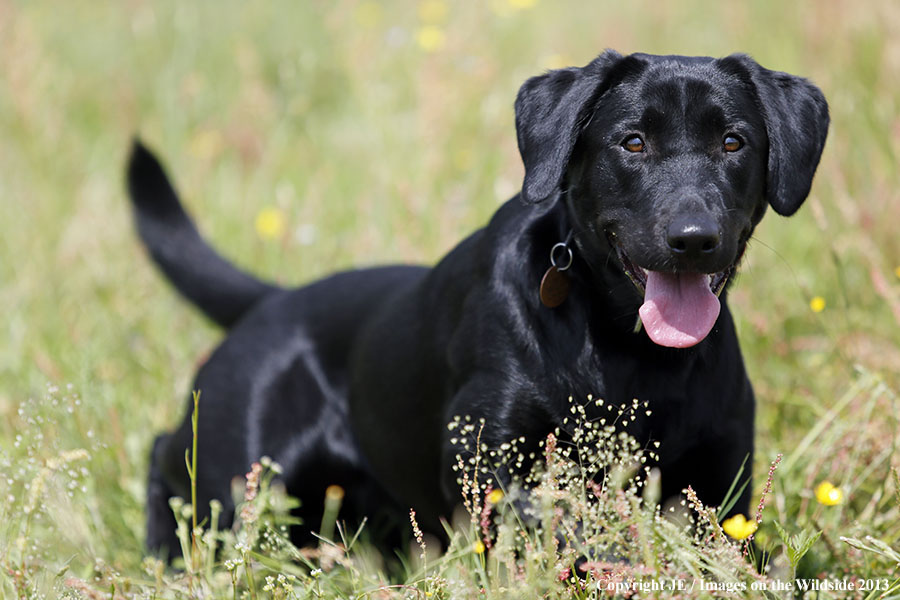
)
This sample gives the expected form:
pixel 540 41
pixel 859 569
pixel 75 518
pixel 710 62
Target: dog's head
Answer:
pixel 666 164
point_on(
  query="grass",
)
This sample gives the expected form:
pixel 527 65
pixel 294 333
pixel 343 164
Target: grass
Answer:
pixel 351 121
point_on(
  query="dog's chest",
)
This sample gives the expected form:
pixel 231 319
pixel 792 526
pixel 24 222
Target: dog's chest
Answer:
pixel 607 381
pixel 650 396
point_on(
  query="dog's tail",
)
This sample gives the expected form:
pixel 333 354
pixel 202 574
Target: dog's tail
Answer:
pixel 222 291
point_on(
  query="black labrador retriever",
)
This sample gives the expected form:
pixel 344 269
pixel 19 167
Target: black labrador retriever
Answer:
pixel 644 179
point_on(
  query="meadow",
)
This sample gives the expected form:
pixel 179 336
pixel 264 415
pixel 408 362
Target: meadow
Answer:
pixel 312 136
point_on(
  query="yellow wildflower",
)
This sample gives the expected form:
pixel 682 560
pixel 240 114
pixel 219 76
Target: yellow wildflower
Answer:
pixel 334 492
pixel 270 223
pixel 897 271
pixel 506 8
pixel 828 494
pixel 817 304
pixel 495 496
pixel 368 14
pixel 478 547
pixel 430 38
pixel 739 527
pixel 433 11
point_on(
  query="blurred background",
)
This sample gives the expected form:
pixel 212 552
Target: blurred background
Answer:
pixel 311 136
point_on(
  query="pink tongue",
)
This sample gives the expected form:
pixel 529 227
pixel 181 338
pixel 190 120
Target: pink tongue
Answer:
pixel 679 310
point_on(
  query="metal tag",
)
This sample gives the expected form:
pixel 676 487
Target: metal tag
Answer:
pixel 554 287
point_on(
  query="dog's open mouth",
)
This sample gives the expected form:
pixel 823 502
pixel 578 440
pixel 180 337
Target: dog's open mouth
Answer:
pixel 679 309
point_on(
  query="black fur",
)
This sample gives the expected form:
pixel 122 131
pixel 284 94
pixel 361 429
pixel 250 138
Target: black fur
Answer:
pixel 352 380
pixel 219 289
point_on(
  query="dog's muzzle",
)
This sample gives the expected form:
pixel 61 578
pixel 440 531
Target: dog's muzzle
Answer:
pixel 680 308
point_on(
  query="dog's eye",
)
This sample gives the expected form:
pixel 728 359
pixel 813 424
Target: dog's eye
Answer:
pixel 633 143
pixel 732 143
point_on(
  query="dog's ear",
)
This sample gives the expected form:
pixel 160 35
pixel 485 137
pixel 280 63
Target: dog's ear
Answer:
pixel 550 110
pixel 796 117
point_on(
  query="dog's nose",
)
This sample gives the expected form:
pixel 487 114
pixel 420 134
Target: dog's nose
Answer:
pixel 693 236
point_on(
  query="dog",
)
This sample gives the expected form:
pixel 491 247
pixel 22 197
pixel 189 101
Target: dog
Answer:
pixel 608 274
